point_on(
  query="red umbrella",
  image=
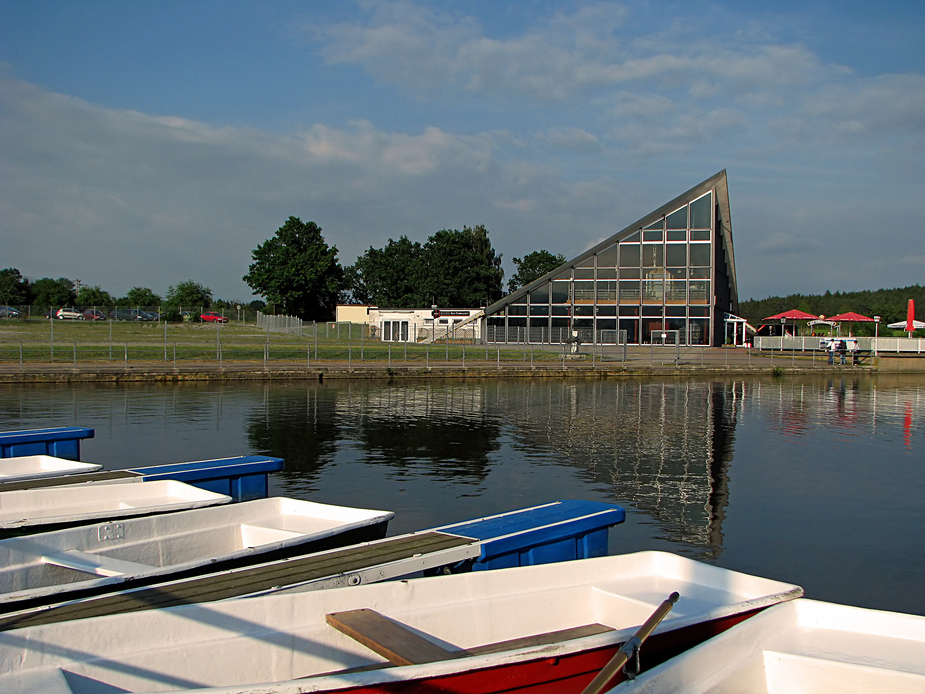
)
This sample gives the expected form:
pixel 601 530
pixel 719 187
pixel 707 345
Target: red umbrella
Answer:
pixel 850 317
pixel 793 314
pixel 910 317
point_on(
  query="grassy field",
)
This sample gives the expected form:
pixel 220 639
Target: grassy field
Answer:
pixel 82 342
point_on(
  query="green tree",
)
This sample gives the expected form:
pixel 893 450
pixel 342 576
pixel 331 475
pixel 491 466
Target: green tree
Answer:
pixel 297 271
pixel 53 293
pixel 461 269
pixel 142 296
pixel 389 277
pixel 94 296
pixel 188 295
pixel 533 266
pixel 14 289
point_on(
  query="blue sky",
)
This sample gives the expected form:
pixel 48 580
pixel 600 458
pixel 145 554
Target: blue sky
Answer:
pixel 146 143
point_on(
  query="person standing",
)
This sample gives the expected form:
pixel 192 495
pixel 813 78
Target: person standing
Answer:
pixel 842 352
pixel 833 345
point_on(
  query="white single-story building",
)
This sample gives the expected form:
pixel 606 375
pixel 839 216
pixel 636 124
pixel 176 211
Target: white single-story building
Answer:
pixel 414 324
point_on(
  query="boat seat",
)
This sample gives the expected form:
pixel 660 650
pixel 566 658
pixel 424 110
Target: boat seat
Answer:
pixel 392 640
pixel 398 644
pixel 95 563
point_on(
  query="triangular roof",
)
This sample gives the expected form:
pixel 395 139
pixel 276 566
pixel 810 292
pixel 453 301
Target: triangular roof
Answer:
pixel 717 181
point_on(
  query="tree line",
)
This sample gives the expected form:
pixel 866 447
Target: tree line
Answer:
pixel 45 293
pixel 298 273
pixel 889 304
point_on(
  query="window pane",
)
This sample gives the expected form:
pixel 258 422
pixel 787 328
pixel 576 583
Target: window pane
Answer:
pixel 629 291
pixel 677 219
pixel 539 310
pixel 584 273
pixel 657 224
pixel 584 292
pixel 652 235
pixel 606 273
pixel 606 291
pixel 607 257
pixel 560 292
pixel 700 291
pixel 701 212
pixel 700 254
pixel 676 235
pixel 632 238
pixel 653 291
pixel 676 292
pixel 676 255
pixel 629 255
pixel 540 296
pixel 701 235
pixel 653 255
pixel 630 273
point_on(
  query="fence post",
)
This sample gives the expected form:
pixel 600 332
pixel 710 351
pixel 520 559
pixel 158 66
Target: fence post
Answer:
pixel 174 356
pixel 427 357
pixel 308 357
pixel 390 354
pixel 349 351
pixel 464 355
pixel 20 355
pixel 126 356
pixel 75 355
pixel 499 358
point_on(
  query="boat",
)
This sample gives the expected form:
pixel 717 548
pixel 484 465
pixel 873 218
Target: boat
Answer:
pixel 34 510
pixel 243 477
pixel 31 467
pixel 555 531
pixel 60 442
pixel 546 628
pixel 799 646
pixel 97 558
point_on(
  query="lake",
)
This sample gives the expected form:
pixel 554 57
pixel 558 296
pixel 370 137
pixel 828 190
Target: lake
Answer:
pixel 817 481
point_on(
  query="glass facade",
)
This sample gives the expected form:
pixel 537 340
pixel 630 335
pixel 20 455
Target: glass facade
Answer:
pixel 655 277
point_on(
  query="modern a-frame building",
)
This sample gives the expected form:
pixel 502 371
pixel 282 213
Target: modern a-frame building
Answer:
pixel 668 277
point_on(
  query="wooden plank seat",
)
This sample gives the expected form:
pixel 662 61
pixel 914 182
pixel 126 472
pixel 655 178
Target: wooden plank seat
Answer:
pixel 392 640
pixel 401 646
pixel 96 564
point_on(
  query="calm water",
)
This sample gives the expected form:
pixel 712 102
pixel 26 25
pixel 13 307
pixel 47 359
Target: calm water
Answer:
pixel 816 481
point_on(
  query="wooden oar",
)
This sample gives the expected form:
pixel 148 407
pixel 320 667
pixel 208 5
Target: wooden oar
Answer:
pixel 630 647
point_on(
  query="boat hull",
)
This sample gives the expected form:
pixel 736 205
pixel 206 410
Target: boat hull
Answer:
pixel 534 629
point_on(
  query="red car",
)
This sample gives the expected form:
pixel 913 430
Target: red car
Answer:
pixel 212 317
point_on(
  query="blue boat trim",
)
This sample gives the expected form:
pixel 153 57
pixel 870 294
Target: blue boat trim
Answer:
pixel 558 531
pixel 58 442
pixel 243 478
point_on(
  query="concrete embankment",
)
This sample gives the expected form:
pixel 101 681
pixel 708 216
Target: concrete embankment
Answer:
pixel 637 362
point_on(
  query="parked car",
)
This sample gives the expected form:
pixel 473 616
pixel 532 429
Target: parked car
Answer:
pixel 8 312
pixel 69 314
pixel 124 314
pixel 212 317
pixel 150 316
pixel 94 314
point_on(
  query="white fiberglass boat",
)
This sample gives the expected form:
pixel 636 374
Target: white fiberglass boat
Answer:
pixel 532 629
pixel 801 646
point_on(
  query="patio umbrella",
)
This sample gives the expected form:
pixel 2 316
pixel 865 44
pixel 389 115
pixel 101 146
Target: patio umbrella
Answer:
pixel 793 314
pixel 849 317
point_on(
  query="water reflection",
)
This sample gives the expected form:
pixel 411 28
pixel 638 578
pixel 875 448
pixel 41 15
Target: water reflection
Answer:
pixel 760 474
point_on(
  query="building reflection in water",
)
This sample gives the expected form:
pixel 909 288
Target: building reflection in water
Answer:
pixel 662 446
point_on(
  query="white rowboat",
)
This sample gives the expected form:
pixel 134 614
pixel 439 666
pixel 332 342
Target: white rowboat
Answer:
pixel 518 629
pixel 28 467
pixel 135 549
pixel 800 646
pixel 30 509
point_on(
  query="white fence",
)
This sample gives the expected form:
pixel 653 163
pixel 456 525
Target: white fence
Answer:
pixel 885 345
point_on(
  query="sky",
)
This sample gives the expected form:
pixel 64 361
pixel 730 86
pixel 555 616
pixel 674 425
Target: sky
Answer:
pixel 147 143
